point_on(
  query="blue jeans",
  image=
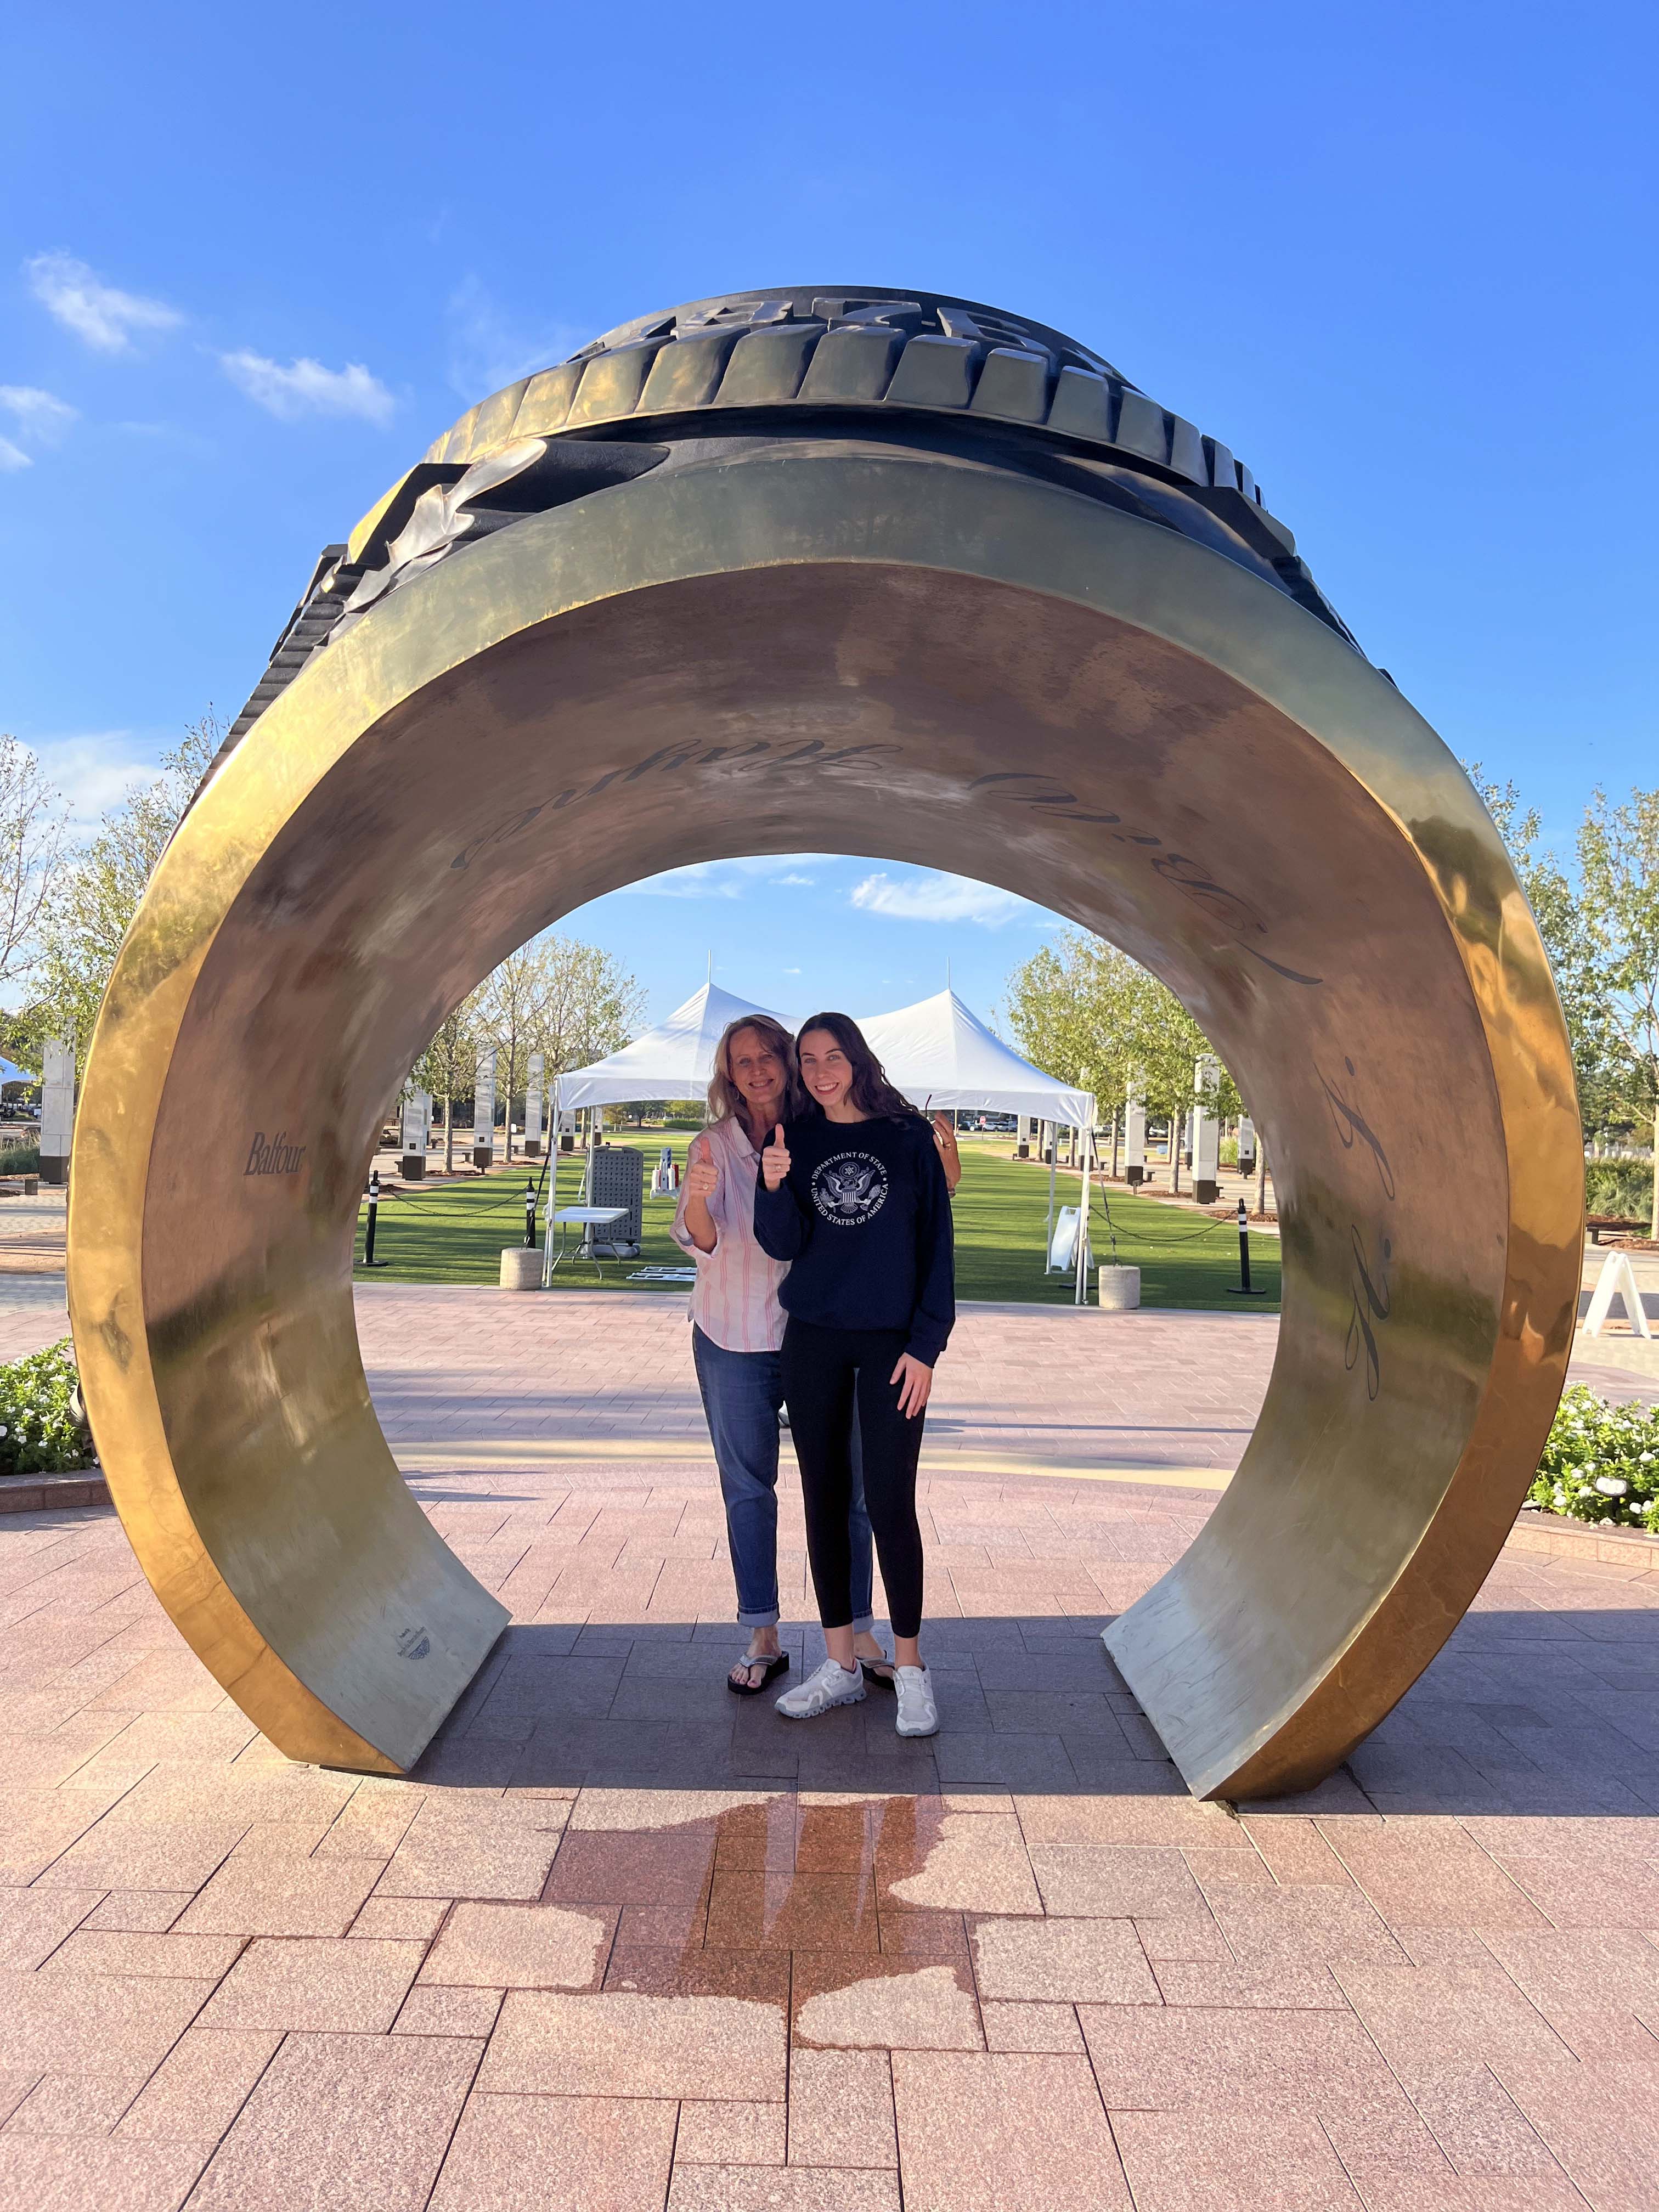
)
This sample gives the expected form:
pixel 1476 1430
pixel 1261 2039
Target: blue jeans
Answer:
pixel 742 1393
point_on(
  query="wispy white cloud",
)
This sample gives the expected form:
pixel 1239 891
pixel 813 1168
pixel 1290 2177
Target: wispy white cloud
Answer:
pixel 489 347
pixel 940 898
pixel 40 416
pixel 726 879
pixel 305 387
pixel 95 769
pixel 697 882
pixel 97 313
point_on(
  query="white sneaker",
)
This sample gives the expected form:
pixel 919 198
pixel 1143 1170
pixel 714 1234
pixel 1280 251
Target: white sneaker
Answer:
pixel 832 1685
pixel 917 1713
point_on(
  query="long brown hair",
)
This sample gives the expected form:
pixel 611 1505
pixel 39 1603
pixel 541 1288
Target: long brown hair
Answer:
pixel 870 1092
pixel 726 1101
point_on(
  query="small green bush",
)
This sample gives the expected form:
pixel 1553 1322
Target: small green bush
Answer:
pixel 39 1434
pixel 21 1159
pixel 1623 1189
pixel 1601 1463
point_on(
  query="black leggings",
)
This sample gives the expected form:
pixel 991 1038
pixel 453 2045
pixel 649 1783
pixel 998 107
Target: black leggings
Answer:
pixel 822 1368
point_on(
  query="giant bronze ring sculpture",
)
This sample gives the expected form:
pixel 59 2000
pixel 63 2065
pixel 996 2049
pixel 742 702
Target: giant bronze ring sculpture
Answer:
pixel 909 578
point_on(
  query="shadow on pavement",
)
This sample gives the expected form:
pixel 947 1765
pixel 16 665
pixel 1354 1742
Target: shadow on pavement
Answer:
pixel 1527 1713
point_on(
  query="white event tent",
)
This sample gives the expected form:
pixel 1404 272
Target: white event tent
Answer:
pixel 940 1051
pixel 941 1054
pixel 673 1060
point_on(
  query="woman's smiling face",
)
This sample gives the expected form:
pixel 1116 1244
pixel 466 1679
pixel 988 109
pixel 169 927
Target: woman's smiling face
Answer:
pixel 756 1069
pixel 824 1068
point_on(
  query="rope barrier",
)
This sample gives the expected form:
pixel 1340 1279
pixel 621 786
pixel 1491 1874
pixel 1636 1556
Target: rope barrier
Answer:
pixel 1142 1237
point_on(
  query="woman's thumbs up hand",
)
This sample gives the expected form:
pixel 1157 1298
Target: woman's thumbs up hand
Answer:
pixel 774 1159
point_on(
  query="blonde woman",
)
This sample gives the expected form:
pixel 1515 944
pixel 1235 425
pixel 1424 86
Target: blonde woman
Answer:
pixel 736 1337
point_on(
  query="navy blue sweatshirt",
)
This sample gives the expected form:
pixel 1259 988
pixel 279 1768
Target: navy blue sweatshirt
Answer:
pixel 864 1216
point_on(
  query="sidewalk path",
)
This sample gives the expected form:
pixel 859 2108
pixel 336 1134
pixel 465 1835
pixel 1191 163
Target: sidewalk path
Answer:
pixel 626 1942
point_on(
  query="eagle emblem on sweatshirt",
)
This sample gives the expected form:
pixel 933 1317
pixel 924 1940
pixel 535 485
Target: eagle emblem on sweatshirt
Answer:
pixel 850 1190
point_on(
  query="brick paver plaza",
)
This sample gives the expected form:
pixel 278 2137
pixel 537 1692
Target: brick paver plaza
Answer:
pixel 625 1941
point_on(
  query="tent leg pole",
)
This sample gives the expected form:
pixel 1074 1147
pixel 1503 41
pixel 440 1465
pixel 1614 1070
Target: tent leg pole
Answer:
pixel 1053 1150
pixel 1080 1288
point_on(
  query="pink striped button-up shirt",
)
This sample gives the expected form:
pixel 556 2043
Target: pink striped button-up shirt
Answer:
pixel 735 1303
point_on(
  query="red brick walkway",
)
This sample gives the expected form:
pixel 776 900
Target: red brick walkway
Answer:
pixel 626 1942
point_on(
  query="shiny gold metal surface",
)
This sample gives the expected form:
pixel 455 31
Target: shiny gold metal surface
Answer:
pixel 843 636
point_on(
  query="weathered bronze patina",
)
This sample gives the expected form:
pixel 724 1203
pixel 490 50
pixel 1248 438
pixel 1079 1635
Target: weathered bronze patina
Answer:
pixel 904 577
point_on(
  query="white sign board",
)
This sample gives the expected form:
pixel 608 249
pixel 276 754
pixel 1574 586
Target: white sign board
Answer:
pixel 1134 1129
pixel 1616 1280
pixel 57 1108
pixel 484 1105
pixel 532 1100
pixel 1207 1130
pixel 417 1119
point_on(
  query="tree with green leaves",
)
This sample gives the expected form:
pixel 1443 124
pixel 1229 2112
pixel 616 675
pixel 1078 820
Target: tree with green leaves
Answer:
pixel 571 1002
pixel 96 890
pixel 1619 888
pixel 1083 1011
pixel 510 1014
pixel 590 1004
pixel 31 847
pixel 448 1067
pixel 1563 924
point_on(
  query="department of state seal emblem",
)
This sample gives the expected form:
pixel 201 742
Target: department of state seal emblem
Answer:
pixel 850 1190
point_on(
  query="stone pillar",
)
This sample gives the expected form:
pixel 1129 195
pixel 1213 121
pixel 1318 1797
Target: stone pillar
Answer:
pixel 483 1111
pixel 1135 1137
pixel 1206 1132
pixel 532 1107
pixel 57 1108
pixel 416 1127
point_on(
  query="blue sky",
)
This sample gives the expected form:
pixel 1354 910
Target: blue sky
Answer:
pixel 1401 257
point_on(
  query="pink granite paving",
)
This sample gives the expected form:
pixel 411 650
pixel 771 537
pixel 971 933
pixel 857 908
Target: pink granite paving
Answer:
pixel 624 1941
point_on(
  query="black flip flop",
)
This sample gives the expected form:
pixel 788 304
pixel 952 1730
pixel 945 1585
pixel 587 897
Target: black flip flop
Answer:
pixel 880 1672
pixel 777 1664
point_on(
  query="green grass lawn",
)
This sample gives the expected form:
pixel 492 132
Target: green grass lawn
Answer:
pixel 454 1233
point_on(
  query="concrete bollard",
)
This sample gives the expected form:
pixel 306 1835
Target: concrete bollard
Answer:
pixel 1120 1290
pixel 521 1269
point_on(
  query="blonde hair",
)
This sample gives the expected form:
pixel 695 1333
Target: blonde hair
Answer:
pixel 726 1101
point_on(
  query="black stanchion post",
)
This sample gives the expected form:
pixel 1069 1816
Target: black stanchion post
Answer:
pixel 529 1214
pixel 370 1260
pixel 1241 1289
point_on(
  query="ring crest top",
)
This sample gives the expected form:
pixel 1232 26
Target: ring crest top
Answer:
pixel 806 360
pixel 805 346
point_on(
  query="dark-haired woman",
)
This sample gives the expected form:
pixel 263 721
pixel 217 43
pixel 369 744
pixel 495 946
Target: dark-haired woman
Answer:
pixel 736 1330
pixel 855 1198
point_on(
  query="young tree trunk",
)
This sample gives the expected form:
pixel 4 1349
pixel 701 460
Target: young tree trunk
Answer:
pixel 1260 1176
pixel 449 1136
pixel 1653 1223
pixel 1177 1131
